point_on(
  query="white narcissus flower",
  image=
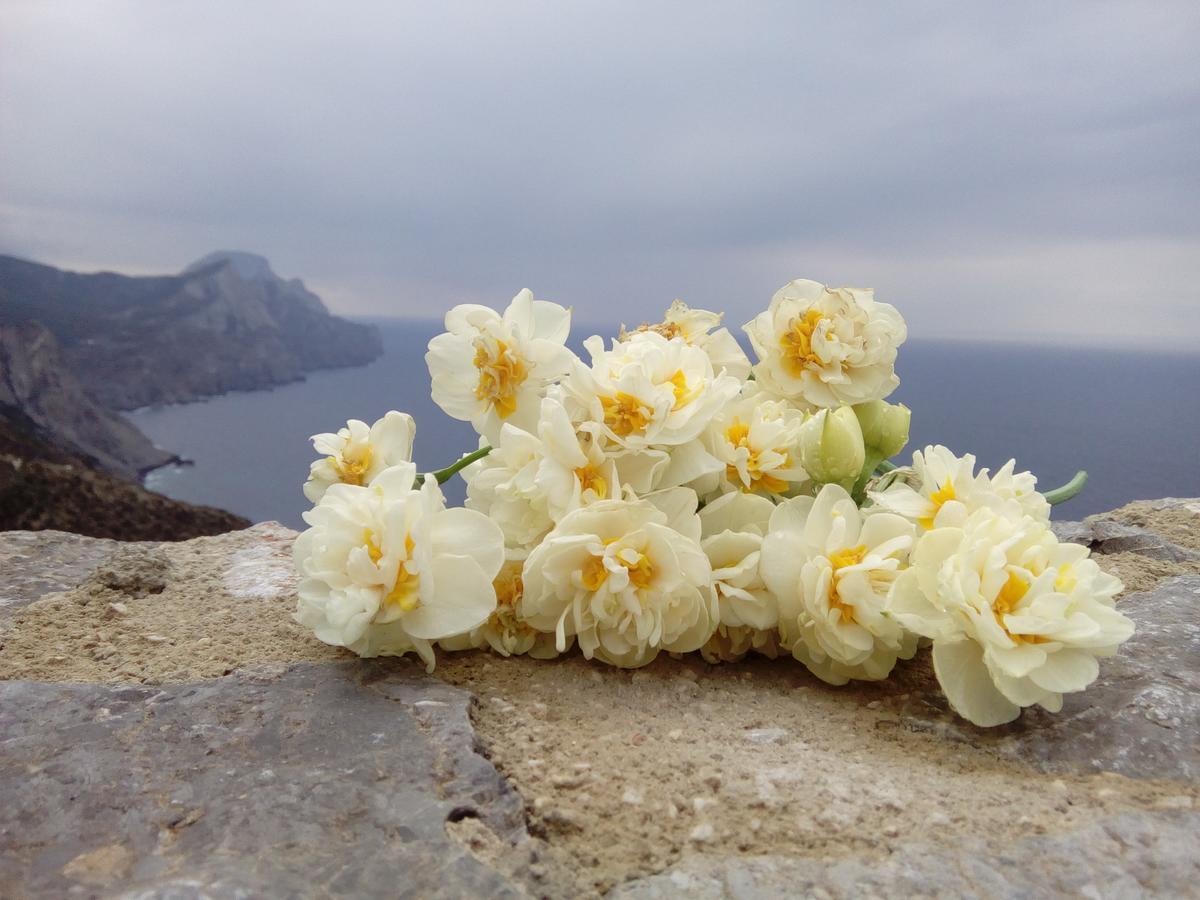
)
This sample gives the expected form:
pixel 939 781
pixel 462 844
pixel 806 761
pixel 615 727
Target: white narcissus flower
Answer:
pixel 648 391
pixel 388 568
pixel 575 470
pixel 830 569
pixel 732 529
pixel 730 643
pixel 490 369
pixel 756 438
pixel 503 486
pixel 827 346
pixel 626 578
pixel 357 453
pixel 702 329
pixel 506 631
pixel 947 489
pixel 1016 617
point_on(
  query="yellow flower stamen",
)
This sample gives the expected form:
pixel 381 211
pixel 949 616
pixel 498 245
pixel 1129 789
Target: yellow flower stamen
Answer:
pixel 841 559
pixel 590 479
pixel 625 414
pixel 796 342
pixel 501 373
pixel 738 434
pixel 1007 599
pixel 352 465
pixel 683 394
pixel 939 498
pixel 405 593
pixel 595 573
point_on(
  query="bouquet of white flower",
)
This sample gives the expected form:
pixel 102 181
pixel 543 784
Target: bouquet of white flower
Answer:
pixel 670 496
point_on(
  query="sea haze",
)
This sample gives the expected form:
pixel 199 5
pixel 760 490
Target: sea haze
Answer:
pixel 1130 418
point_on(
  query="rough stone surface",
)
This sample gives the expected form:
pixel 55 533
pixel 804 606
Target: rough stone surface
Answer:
pixel 1105 535
pixel 1141 718
pixel 1131 855
pixel 33 563
pixel 295 780
pixel 316 776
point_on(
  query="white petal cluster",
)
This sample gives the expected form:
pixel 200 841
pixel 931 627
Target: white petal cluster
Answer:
pixel 1016 617
pixel 945 489
pixel 646 391
pixel 756 439
pixel 831 569
pixel 359 452
pixel 625 579
pixel 387 568
pixel 702 328
pixel 666 497
pixel 490 369
pixel 827 346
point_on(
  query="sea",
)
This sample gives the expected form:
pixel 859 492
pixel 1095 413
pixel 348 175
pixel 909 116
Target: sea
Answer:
pixel 1131 418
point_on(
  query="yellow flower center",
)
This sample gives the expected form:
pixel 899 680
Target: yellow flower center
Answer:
pixel 1007 599
pixel 738 434
pixel 595 573
pixel 796 342
pixel 683 394
pixel 590 479
pixel 939 498
pixel 501 373
pixel 625 414
pixel 404 595
pixel 352 465
pixel 841 559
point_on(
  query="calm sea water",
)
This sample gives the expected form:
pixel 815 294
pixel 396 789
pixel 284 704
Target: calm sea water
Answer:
pixel 1131 419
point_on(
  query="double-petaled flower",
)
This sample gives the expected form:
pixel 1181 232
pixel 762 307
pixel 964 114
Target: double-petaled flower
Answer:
pixel 827 347
pixel 490 369
pixel 387 568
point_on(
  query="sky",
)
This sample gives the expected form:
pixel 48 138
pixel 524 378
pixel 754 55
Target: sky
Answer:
pixel 1023 170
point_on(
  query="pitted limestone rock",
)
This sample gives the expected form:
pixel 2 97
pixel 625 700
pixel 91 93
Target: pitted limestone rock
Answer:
pixel 1129 855
pixel 287 780
pixel 1141 717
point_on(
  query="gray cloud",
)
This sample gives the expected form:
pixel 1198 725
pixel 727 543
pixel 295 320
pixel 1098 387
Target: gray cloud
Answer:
pixel 1012 170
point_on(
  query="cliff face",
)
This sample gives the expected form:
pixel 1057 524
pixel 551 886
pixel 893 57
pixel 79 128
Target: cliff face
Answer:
pixel 226 323
pixel 44 484
pixel 39 388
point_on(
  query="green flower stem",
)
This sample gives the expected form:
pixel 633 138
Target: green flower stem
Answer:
pixel 884 467
pixel 859 490
pixel 1068 490
pixel 444 475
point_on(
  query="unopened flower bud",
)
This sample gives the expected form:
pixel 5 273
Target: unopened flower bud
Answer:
pixel 831 445
pixel 884 426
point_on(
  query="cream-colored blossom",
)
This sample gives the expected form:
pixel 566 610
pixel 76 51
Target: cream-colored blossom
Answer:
pixel 491 369
pixel 626 578
pixel 649 392
pixel 826 346
pixel 830 569
pixel 945 489
pixel 576 469
pixel 506 631
pixel 732 529
pixel 757 440
pixel 388 568
pixel 503 486
pixel 357 453
pixel 1016 617
pixel 730 643
pixel 702 329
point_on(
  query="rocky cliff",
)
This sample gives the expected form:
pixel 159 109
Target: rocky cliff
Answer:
pixel 225 323
pixel 169 683
pixel 45 484
pixel 43 396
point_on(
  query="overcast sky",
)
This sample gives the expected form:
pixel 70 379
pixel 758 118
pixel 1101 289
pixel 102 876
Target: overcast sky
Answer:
pixel 1006 170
